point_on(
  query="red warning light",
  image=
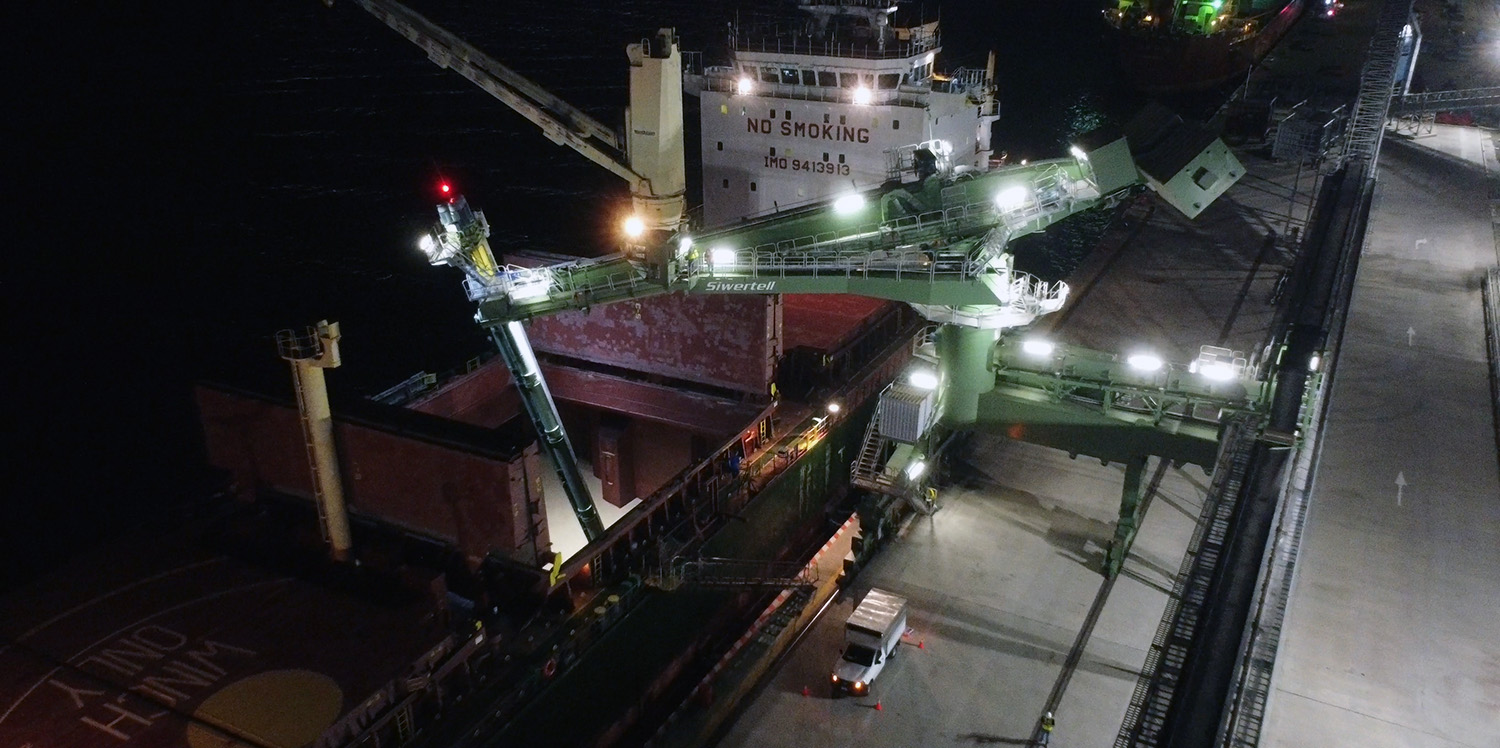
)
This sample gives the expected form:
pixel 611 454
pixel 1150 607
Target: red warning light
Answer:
pixel 446 188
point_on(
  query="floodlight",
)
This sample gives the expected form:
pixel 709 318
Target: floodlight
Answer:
pixel 923 379
pixel 1038 347
pixel 1144 361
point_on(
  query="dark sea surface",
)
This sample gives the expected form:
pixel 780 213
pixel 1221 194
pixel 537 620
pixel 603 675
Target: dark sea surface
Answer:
pixel 196 176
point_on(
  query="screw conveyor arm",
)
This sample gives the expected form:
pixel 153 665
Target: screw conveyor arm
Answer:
pixel 516 350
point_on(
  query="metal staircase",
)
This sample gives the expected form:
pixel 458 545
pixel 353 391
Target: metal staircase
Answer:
pixel 868 471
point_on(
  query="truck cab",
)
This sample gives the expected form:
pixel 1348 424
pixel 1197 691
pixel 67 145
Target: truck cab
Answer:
pixel 871 636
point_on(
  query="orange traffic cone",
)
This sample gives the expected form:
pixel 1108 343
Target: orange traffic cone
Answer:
pixel 921 644
pixel 878 708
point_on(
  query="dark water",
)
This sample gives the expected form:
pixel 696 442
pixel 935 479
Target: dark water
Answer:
pixel 197 176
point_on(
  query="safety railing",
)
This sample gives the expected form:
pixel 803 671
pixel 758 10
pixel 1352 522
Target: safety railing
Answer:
pixel 902 159
pixel 294 346
pixel 935 245
pixel 1433 101
pixel 609 273
pixel 1024 298
pixel 787 42
pixel 727 80
pixel 733 572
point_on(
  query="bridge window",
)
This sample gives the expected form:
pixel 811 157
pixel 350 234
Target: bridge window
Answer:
pixel 789 76
pixel 769 75
pixel 827 79
pixel 889 81
pixel 809 78
pixel 849 80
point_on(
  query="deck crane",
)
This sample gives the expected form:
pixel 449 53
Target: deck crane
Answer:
pixel 650 154
pixel 948 260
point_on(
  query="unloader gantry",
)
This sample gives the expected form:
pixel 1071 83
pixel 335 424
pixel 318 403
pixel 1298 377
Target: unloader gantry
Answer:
pixel 939 242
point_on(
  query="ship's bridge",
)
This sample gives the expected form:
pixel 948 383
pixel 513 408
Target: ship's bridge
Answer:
pixel 853 29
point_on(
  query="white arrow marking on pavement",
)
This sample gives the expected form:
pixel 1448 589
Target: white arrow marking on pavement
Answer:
pixel 1400 486
pixel 1411 336
pixel 1418 246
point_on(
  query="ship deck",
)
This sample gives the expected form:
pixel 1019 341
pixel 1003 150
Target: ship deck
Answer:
pixel 825 322
pixel 151 643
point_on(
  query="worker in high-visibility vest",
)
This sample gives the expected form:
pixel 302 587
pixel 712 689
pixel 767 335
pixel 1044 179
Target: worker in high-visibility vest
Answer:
pixel 1047 724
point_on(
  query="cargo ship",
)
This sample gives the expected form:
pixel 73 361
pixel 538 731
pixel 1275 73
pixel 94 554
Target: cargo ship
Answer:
pixel 470 593
pixel 1168 47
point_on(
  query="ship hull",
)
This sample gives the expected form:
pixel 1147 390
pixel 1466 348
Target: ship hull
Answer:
pixel 1159 63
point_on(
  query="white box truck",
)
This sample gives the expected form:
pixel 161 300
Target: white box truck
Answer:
pixel 871 636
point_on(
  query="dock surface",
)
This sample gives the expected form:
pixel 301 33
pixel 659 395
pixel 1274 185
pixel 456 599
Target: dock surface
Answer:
pixel 1390 637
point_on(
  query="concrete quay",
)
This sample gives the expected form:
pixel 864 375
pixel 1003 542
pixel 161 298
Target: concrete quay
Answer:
pixel 1390 637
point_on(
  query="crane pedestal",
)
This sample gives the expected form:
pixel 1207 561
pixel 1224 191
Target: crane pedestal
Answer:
pixel 310 353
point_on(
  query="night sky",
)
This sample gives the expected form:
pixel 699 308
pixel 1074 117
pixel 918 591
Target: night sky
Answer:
pixel 187 178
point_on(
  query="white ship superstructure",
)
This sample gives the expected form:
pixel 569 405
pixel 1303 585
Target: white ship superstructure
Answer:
pixel 831 102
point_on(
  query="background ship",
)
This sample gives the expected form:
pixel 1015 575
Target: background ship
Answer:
pixel 1168 46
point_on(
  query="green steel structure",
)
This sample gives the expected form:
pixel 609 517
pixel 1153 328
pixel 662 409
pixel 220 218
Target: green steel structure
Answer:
pixel 939 244
pixel 942 248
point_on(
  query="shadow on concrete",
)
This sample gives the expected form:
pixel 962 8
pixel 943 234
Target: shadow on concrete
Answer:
pixel 1180 504
pixel 1440 165
pixel 953 621
pixel 979 738
pixel 1076 537
pixel 1132 574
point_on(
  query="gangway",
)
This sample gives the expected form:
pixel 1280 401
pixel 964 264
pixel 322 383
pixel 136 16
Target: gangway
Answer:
pixel 1444 101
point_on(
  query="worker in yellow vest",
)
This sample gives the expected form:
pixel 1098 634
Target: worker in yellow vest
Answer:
pixel 1047 724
